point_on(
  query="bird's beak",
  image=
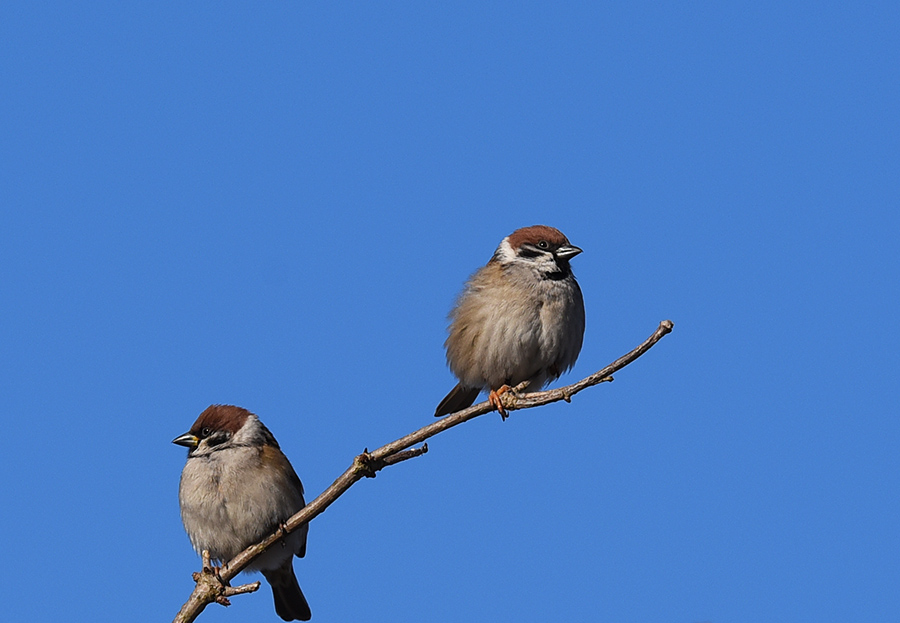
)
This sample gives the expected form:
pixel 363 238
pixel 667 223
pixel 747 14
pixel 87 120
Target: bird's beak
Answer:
pixel 568 251
pixel 187 440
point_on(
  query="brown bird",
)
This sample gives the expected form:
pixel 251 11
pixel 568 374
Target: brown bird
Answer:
pixel 519 318
pixel 238 487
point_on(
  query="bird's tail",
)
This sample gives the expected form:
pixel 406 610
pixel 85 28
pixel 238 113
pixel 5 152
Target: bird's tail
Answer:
pixel 459 398
pixel 290 604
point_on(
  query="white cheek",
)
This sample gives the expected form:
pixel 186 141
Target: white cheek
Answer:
pixel 549 265
pixel 505 252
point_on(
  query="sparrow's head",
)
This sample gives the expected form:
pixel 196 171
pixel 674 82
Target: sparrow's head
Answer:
pixel 221 427
pixel 542 248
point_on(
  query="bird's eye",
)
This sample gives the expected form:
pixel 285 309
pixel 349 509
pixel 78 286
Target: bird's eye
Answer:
pixel 206 431
pixel 543 244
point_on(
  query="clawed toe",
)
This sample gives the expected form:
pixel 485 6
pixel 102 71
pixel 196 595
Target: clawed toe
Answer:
pixel 494 399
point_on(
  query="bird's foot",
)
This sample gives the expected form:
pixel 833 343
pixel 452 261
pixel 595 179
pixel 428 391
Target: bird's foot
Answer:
pixel 208 567
pixel 497 402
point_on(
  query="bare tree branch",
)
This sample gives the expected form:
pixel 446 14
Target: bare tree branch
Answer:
pixel 214 585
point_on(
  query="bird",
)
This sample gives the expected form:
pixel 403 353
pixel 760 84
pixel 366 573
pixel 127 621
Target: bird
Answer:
pixel 238 487
pixel 519 318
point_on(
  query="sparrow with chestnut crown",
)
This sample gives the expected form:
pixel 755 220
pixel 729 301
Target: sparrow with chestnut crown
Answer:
pixel 519 318
pixel 238 487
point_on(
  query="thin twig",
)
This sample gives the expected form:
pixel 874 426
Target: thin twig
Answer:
pixel 230 591
pixel 214 587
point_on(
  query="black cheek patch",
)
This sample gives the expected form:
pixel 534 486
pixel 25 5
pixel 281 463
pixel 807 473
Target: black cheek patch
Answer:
pixel 217 438
pixel 528 253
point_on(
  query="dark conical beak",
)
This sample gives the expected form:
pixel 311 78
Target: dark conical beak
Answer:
pixel 568 251
pixel 187 440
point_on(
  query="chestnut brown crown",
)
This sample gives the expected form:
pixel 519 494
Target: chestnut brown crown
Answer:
pixel 536 234
pixel 220 418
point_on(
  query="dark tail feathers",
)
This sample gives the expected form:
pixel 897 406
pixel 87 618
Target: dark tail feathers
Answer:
pixel 459 398
pixel 290 604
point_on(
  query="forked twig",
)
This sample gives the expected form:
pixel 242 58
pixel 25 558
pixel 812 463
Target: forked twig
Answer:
pixel 214 586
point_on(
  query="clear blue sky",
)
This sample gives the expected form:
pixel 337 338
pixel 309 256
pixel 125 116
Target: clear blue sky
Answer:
pixel 274 204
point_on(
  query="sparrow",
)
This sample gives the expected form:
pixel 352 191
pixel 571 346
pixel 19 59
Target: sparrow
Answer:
pixel 519 318
pixel 238 487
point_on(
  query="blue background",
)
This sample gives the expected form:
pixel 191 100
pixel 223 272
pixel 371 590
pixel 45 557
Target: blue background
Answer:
pixel 275 204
